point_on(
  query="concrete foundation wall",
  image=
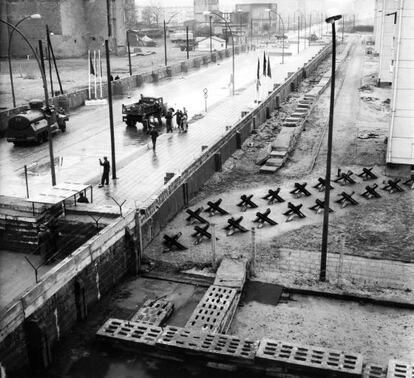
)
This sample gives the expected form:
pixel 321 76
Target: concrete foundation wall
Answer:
pixel 99 264
pixel 354 269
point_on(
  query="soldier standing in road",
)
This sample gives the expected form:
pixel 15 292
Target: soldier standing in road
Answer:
pixel 154 135
pixel 105 173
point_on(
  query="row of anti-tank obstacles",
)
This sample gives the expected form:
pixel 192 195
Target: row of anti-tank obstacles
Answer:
pixel 234 225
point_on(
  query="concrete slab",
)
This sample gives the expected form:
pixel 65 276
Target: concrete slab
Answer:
pixel 231 273
pixel 274 162
pixel 268 169
pixel 278 154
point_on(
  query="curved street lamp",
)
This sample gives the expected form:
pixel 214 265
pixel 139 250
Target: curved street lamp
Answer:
pixel 32 16
pixel 47 109
pixel 283 32
pixel 232 43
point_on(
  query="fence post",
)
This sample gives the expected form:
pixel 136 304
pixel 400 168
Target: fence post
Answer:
pixel 213 245
pixel 253 262
pixel 341 261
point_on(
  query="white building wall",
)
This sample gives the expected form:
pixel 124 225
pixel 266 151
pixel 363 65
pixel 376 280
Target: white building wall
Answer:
pixel 387 42
pixel 401 137
pixel 378 24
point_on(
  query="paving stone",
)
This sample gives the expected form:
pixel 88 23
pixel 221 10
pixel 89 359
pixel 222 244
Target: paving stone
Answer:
pixel 217 346
pixel 400 369
pixel 290 124
pixel 277 154
pixel 211 313
pixel 309 358
pixel 153 312
pixel 274 162
pixel 129 333
pixel 374 371
pixel 268 169
pixel 231 273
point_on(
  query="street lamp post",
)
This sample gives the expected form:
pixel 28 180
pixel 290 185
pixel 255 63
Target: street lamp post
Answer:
pixel 322 276
pixel 32 16
pixel 165 43
pixel 47 109
pixel 211 44
pixel 283 32
pixel 129 53
pixel 232 43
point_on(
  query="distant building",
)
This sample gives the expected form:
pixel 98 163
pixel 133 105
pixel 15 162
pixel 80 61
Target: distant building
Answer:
pixel 202 6
pixel 216 44
pixel 77 25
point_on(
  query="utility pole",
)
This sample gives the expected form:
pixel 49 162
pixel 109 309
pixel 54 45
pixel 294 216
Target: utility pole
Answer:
pixel 186 32
pixel 129 53
pixel 324 250
pixel 211 45
pixel 298 32
pixel 111 115
pixel 165 43
pixel 49 42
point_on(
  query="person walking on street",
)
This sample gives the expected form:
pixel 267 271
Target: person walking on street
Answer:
pixel 178 114
pixel 105 173
pixel 184 122
pixel 168 118
pixel 154 135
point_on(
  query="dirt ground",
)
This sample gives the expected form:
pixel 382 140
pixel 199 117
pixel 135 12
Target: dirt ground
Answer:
pixel 379 333
pixel 74 72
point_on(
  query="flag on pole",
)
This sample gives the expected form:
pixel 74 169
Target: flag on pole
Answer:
pixel 269 71
pixel 258 75
pixel 92 68
pixel 264 63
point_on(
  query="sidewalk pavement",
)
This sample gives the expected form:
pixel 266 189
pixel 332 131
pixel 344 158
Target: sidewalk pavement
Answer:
pixel 144 176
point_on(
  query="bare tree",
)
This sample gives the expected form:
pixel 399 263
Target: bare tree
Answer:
pixel 151 14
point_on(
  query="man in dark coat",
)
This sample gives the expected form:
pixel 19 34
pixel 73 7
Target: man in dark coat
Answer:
pixel 168 118
pixel 105 173
pixel 154 135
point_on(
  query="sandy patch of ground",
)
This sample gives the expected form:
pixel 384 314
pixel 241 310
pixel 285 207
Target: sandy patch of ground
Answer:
pixel 379 333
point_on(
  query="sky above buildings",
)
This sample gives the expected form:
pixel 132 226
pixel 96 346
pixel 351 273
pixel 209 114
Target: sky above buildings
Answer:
pixel 361 7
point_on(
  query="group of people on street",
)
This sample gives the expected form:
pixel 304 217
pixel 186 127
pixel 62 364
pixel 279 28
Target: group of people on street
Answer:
pixel 181 118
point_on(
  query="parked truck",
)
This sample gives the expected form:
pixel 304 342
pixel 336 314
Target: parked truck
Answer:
pixel 144 111
pixel 32 125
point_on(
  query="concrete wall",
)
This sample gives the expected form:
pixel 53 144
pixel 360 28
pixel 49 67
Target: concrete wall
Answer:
pixel 400 149
pixel 369 272
pixel 52 303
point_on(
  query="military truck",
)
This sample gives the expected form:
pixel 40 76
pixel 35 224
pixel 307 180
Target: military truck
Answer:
pixel 144 111
pixel 31 125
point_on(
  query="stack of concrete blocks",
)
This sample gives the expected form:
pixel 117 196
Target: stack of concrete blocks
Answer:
pixel 285 142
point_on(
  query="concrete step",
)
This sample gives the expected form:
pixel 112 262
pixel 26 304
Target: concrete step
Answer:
pixel 299 110
pixel 268 169
pixel 278 154
pixel 275 162
pixel 298 115
pixel 290 124
pixel 303 106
